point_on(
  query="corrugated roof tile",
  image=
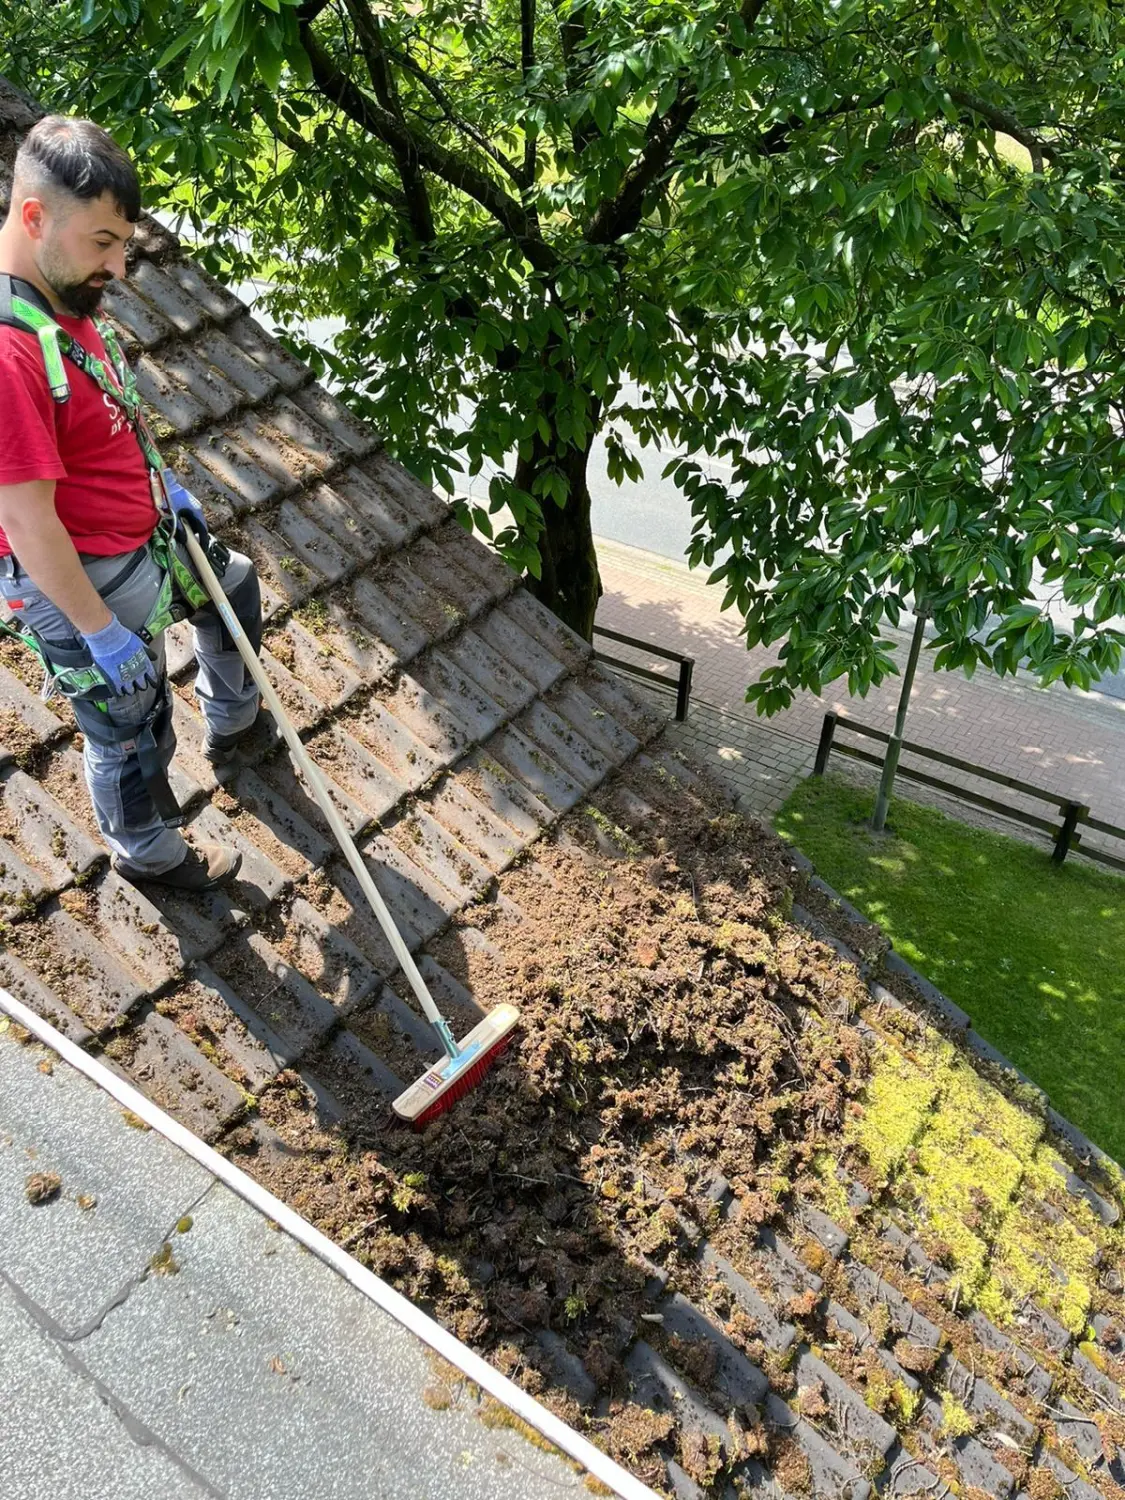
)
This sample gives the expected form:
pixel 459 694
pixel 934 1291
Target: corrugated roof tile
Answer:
pixel 376 507
pixel 278 774
pixel 267 353
pixel 293 578
pixel 503 794
pixel 408 493
pixel 383 600
pixel 435 559
pixel 180 362
pixel 69 956
pixel 26 985
pixel 565 745
pixel 333 623
pixel 167 296
pixel 313 662
pixel 549 630
pixel 311 544
pixel 529 763
pixel 327 958
pixel 234 467
pixel 419 903
pixel 171 402
pixel 260 882
pixel 206 1007
pixel 428 717
pixel 215 300
pixel 163 1063
pixel 367 779
pixel 439 854
pixel 43 833
pixel 521 650
pixel 20 885
pixel 387 732
pixel 287 462
pixel 245 375
pixel 25 720
pixel 470 655
pixel 262 984
pixel 340 519
pixel 591 721
pixel 332 415
pixel 473 822
pixel 472 710
pixel 289 839
pixel 137 322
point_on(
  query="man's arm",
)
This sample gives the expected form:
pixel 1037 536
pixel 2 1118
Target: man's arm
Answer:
pixel 47 554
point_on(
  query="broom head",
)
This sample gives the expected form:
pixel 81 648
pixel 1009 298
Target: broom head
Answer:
pixel 452 1078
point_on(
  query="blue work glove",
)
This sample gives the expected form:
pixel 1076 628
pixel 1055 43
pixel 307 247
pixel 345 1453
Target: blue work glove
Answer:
pixel 186 509
pixel 121 658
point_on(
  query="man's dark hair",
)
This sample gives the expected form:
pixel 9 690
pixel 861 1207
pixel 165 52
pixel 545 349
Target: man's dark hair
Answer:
pixel 79 158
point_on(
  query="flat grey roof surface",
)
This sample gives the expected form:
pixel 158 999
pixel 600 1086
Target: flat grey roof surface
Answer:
pixel 145 1356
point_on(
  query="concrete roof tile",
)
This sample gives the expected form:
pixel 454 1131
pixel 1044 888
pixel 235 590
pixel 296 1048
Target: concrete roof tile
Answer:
pixel 206 1007
pixel 439 854
pixel 44 833
pixel 473 823
pixel 430 721
pixel 25 719
pixel 451 692
pixel 409 494
pixel 163 1063
pixel 215 300
pixel 26 985
pixel 326 957
pixel 371 786
pixel 507 798
pixel 378 508
pixel 181 363
pixel 330 414
pixel 520 649
pixel 313 663
pixel 386 617
pixel 260 882
pixel 292 464
pixel 246 375
pixel 310 542
pixel 168 296
pixel 529 763
pixel 385 728
pixel 264 985
pixel 471 656
pixel 218 452
pixel 419 903
pixel 168 398
pixel 69 956
pixel 564 744
pixel 21 886
pixel 137 321
pixel 267 353
pixel 280 777
pixel 337 516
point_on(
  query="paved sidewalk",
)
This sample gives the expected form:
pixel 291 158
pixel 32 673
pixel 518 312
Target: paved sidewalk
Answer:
pixel 161 1340
pixel 1065 742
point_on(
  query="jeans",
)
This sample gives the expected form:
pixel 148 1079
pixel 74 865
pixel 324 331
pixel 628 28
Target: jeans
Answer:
pixel 129 584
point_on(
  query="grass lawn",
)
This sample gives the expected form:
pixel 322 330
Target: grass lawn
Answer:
pixel 1033 951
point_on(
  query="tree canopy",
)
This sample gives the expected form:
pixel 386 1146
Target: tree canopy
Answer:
pixel 729 230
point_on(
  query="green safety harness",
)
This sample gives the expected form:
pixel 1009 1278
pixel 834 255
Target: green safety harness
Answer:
pixel 181 594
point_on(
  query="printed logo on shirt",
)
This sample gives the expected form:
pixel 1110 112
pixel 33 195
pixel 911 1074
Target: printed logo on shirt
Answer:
pixel 116 413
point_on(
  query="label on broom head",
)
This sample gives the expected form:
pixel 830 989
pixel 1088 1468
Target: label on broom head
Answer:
pixel 431 1081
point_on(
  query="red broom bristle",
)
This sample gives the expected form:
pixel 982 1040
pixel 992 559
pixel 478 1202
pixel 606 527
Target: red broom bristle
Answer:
pixel 468 1080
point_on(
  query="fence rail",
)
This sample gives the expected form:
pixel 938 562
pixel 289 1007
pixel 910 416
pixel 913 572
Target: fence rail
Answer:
pixel 1065 835
pixel 686 666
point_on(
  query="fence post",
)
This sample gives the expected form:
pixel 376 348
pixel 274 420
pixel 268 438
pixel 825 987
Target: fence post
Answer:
pixel 683 687
pixel 824 749
pixel 1072 812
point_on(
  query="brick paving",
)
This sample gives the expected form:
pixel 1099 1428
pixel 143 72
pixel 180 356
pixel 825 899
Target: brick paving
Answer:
pixel 1065 742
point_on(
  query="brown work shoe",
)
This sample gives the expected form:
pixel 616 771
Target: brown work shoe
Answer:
pixel 202 869
pixel 221 749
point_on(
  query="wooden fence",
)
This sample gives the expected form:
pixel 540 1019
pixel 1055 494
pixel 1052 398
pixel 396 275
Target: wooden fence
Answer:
pixel 1064 834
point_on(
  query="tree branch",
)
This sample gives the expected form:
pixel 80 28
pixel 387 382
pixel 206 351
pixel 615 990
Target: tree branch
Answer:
pixel 300 147
pixel 573 37
pixel 622 213
pixel 1001 120
pixel 370 37
pixel 445 104
pixel 450 166
pixel 527 62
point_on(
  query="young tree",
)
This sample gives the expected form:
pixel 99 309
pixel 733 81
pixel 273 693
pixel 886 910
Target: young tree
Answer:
pixel 724 228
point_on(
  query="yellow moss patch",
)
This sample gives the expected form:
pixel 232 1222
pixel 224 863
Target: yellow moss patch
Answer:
pixel 896 1102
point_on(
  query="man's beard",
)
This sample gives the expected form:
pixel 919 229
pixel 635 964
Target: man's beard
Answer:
pixel 80 298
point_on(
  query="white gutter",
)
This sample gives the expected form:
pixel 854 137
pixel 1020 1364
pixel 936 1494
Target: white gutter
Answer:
pixel 556 1431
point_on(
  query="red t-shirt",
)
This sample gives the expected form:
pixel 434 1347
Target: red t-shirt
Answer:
pixel 102 494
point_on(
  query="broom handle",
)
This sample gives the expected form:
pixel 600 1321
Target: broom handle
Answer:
pixel 319 790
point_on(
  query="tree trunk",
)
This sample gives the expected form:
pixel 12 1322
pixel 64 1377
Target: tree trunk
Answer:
pixel 570 585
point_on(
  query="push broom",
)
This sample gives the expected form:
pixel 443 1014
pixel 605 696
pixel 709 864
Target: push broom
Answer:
pixel 465 1063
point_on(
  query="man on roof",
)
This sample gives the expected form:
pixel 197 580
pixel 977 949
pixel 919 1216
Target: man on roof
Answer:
pixel 90 568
